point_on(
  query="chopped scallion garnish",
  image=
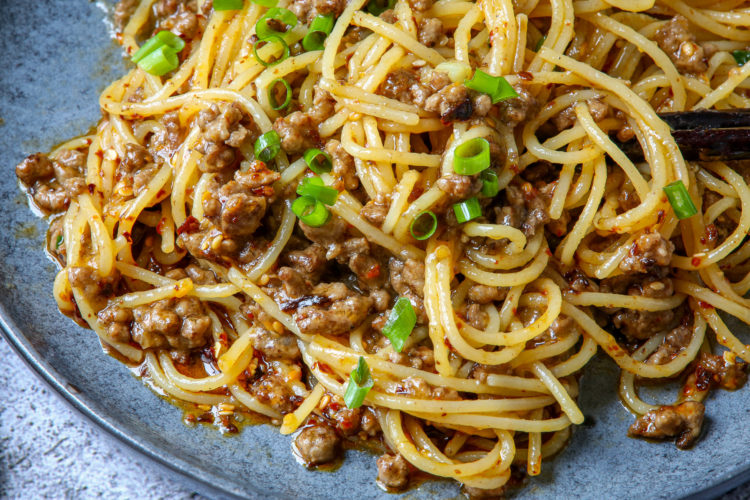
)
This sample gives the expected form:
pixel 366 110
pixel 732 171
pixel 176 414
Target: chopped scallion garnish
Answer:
pixel 162 38
pixel 310 211
pixel 360 383
pixel 377 7
pixel 315 188
pixel 400 323
pixel 318 161
pixel 540 43
pixel 679 198
pixel 271 39
pixel 496 87
pixel 272 94
pixel 320 28
pixel 467 210
pixel 424 225
pixel 267 146
pixel 59 241
pixel 227 4
pixel 741 56
pixel 472 156
pixel 266 3
pixel 279 15
pixel 160 62
pixel 490 185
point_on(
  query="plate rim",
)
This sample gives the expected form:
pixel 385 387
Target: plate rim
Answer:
pixel 190 474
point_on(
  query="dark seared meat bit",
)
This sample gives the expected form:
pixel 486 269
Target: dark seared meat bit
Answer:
pixel 375 211
pixel 430 31
pixel 397 85
pixel 675 341
pixel 317 444
pixel 682 421
pixel 136 157
pixel 222 134
pixel 123 10
pixel 344 311
pixel 451 103
pixel 649 251
pixel 676 39
pixel 329 236
pixel 293 282
pixel 516 110
pixel 714 371
pixel 273 390
pixel 36 167
pixel 275 346
pixel 633 323
pixel 393 471
pixel 179 323
pixel 309 262
pixel 527 209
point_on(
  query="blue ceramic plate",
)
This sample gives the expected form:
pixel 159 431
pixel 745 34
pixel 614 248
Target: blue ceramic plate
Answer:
pixel 55 58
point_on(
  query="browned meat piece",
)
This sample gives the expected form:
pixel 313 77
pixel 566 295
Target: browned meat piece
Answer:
pixel 275 346
pixel 398 85
pixel 430 31
pixel 56 240
pixel 323 106
pixel 420 5
pixel 421 358
pixel 567 117
pixel 451 103
pixel 676 39
pixel 683 421
pixel 165 142
pixel 136 157
pixel 95 289
pixel 335 7
pixel 123 10
pixel 483 294
pixel 241 214
pixel 675 341
pixel 393 471
pixel 343 166
pixel 298 132
pixel 274 391
pixel 459 187
pixel 649 251
pixel 375 211
pixel 579 282
pixel 143 176
pixel 307 10
pixel 482 494
pixel 343 310
pixel 51 198
pixel 635 324
pixel 200 276
pixel 184 22
pixel 476 317
pixel 347 420
pixel 482 104
pixel 36 167
pixel 356 253
pixel 641 325
pixel 330 235
pixel 317 444
pixel 222 132
pixel 527 210
pixel 116 320
pixel 310 262
pixel 294 283
pixel 713 370
pixel 514 111
pixel 179 323
pixel 407 276
pixel 164 8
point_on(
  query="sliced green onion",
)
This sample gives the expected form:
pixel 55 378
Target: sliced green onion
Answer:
pixel 272 94
pixel 266 3
pixel 377 7
pixel 160 62
pixel 741 56
pixel 360 383
pixel 490 185
pixel 280 14
pixel 315 188
pixel 540 43
pixel 678 197
pixel 267 146
pixel 496 87
pixel 424 225
pixel 319 30
pixel 467 210
pixel 310 211
pixel 161 39
pixel 271 39
pixel 472 156
pixel 58 242
pixel 227 4
pixel 400 323
pixel 318 161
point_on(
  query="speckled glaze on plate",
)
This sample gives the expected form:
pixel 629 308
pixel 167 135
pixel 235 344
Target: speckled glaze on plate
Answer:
pixel 55 58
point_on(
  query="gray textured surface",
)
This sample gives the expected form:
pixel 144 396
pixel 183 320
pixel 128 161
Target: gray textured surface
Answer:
pixel 51 77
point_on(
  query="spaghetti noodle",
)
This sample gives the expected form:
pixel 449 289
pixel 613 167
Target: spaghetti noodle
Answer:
pixel 249 227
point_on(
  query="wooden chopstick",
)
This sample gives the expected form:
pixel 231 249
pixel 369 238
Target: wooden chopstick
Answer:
pixel 705 135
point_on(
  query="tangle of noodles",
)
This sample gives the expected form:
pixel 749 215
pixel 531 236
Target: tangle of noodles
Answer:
pixel 182 251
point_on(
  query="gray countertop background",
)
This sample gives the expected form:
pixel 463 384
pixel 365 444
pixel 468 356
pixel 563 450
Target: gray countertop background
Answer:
pixel 48 450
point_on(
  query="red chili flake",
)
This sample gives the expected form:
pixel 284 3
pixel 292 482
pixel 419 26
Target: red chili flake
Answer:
pixel 373 273
pixel 514 168
pixel 250 316
pixel 128 237
pixel 161 193
pixel 696 261
pixel 266 191
pixel 703 378
pixel 160 225
pixel 190 225
pixel 334 406
pixel 548 252
pixel 529 191
pixel 661 216
pixel 92 188
pixel 223 338
pixel 705 305
pixel 323 367
pixel 100 154
pixel 416 193
pixel 525 75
